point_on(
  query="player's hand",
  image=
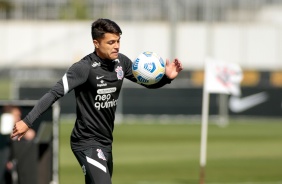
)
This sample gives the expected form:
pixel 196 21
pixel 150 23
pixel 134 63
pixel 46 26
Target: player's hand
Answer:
pixel 20 128
pixel 172 69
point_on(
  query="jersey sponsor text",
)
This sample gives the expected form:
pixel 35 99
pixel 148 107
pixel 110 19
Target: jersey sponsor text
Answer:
pixel 104 101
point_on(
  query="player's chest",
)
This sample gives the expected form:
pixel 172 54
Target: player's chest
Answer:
pixel 103 77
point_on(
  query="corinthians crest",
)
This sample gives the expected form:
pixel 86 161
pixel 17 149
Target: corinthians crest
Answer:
pixel 119 72
pixel 101 154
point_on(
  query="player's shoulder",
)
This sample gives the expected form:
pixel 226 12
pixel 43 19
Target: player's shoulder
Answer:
pixel 124 59
pixel 86 61
pixel 83 64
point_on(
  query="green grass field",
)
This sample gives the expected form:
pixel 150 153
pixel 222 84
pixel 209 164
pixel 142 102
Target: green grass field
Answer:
pixel 241 153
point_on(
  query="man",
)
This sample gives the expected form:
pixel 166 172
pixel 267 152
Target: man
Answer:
pixel 5 142
pixel 97 85
pixel 6 145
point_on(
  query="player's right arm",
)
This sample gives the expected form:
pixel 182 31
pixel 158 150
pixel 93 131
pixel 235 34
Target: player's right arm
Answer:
pixel 77 74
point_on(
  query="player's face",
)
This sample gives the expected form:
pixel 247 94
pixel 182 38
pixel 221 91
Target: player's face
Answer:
pixel 108 46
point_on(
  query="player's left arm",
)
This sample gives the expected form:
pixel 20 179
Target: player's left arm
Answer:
pixel 172 69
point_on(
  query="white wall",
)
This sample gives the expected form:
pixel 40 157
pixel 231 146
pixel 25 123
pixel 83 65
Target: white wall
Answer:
pixel 59 44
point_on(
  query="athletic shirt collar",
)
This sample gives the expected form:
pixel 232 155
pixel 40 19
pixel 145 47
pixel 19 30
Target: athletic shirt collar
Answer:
pixel 103 62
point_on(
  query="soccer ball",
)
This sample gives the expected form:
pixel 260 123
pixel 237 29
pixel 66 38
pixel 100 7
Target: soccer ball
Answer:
pixel 148 68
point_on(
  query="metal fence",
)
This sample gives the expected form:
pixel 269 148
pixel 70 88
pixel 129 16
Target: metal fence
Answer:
pixel 134 10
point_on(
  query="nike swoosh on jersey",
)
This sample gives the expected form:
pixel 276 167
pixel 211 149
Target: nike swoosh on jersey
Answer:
pixel 237 104
pixel 99 77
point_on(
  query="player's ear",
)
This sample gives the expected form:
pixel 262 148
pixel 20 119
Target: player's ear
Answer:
pixel 96 43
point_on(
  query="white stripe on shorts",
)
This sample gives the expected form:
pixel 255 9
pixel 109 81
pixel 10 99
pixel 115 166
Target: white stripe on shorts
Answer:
pixel 97 164
pixel 66 84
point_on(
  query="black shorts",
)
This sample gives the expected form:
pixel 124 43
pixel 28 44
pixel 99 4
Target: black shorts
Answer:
pixel 96 164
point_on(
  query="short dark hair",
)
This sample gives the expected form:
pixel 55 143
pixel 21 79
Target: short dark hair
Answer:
pixel 102 26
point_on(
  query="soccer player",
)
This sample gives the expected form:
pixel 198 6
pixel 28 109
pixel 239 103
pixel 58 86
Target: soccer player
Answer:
pixel 96 80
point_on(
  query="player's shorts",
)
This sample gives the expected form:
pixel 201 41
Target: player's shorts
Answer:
pixel 96 164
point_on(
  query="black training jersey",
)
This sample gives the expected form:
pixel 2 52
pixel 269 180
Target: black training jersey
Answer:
pixel 97 84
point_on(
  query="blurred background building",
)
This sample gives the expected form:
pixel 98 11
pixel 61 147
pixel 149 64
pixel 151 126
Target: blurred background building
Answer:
pixel 43 38
pixel 136 10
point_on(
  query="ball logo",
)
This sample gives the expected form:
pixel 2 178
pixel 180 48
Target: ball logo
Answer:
pixel 142 79
pixel 162 62
pixel 135 66
pixel 151 67
pixel 148 54
pixel 159 77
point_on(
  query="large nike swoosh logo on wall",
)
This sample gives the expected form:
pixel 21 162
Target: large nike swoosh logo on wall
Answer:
pixel 237 104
